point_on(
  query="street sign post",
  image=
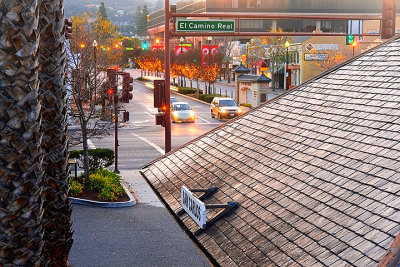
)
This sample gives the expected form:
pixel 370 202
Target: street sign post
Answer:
pixel 205 25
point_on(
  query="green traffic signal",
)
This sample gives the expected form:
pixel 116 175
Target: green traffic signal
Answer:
pixel 145 45
pixel 349 39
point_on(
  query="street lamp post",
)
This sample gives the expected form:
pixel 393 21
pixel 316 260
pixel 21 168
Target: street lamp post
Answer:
pixel 94 44
pixel 287 44
pixel 180 56
pixel 354 44
pixel 157 46
pixel 209 38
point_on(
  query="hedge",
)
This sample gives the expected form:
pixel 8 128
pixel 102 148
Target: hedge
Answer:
pixel 208 98
pixel 186 90
pixel 99 158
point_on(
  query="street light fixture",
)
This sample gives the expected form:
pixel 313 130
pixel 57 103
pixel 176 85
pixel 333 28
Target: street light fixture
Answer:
pixel 287 44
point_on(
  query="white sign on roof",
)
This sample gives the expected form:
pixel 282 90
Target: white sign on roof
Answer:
pixel 194 207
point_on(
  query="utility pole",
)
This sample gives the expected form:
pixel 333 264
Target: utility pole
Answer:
pixel 167 92
pixel 116 127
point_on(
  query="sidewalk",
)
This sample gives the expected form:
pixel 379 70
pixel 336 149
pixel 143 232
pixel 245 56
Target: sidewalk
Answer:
pixel 142 235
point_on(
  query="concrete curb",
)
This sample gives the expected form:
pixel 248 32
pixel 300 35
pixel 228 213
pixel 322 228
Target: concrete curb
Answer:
pixel 100 204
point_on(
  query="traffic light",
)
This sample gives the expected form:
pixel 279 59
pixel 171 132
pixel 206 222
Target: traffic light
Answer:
pixel 160 102
pixel 125 116
pixel 68 28
pixel 111 85
pixel 388 19
pixel 127 87
pixel 349 39
pixel 145 46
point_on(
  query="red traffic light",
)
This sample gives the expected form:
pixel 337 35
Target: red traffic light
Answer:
pixel 164 108
pixel 110 91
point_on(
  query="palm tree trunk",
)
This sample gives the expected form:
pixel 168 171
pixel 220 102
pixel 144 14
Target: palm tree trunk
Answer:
pixel 20 151
pixel 57 207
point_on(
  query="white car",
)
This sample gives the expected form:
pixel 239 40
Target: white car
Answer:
pixel 182 112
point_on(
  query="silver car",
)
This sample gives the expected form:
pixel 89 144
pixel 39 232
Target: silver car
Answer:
pixel 182 112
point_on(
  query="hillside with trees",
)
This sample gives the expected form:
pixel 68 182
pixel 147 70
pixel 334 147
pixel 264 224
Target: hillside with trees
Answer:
pixel 121 13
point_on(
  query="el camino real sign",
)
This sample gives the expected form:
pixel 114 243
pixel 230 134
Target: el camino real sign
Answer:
pixel 205 26
pixel 194 207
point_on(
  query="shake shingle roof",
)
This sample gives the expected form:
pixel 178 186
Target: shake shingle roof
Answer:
pixel 315 172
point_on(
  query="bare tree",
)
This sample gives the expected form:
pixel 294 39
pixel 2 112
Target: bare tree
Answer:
pixel 228 49
pixel 86 67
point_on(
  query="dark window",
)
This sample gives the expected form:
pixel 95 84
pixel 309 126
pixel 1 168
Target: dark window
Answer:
pixel 227 103
pixel 297 25
pixel 181 107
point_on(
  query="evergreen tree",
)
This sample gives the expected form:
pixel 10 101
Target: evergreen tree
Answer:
pixel 141 18
pixel 102 11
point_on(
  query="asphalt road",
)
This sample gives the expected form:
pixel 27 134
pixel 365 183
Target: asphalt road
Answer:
pixel 141 140
pixel 143 235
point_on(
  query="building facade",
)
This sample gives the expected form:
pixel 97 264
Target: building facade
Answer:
pixel 305 66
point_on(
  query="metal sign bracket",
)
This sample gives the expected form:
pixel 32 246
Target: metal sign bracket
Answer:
pixel 227 208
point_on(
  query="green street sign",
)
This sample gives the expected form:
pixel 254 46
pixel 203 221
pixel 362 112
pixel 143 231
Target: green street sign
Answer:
pixel 205 26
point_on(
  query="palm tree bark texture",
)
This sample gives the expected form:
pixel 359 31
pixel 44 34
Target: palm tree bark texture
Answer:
pixel 20 138
pixel 57 207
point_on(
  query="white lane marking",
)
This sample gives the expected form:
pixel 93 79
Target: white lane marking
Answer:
pixel 153 110
pixel 151 115
pixel 202 119
pixel 140 121
pixel 91 145
pixel 159 149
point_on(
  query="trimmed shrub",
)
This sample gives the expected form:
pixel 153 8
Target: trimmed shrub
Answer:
pixel 75 188
pixel 107 183
pixel 99 158
pixel 207 98
pixel 186 90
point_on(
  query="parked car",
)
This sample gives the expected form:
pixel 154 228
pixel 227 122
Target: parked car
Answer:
pixel 182 112
pixel 224 108
pixel 173 100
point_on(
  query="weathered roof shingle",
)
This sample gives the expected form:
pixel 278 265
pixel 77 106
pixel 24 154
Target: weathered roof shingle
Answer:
pixel 315 171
